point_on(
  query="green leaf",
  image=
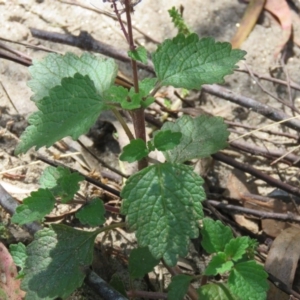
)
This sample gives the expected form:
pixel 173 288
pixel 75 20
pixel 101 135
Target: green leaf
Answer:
pixel 116 94
pixel 237 247
pixel 18 253
pixel 141 262
pixel 215 236
pixel 61 182
pixel 130 99
pixel 189 62
pixel 70 110
pixel 35 207
pixel 248 281
pixel 178 287
pixel 48 73
pixel 218 265
pixel 92 213
pixel 135 150
pixel 166 140
pixel 201 137
pixel 163 203
pixel 56 262
pixel 139 54
pixel 178 21
pixel 215 291
pixel 146 86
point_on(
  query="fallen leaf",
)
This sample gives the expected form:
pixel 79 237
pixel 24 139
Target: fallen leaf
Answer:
pixel 9 285
pixel 248 21
pixel 282 260
pixel 281 10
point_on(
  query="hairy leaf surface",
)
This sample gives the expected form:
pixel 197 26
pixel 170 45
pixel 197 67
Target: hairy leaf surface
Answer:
pixel 189 62
pixel 56 262
pixel 215 236
pixel 248 281
pixel 35 207
pixel 163 203
pixel 216 291
pixel 70 110
pixel 48 73
pixel 201 137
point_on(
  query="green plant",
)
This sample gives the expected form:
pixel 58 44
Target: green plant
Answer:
pixel 162 202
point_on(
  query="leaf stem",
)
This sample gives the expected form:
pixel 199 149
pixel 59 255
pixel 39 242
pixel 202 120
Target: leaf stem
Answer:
pixel 123 123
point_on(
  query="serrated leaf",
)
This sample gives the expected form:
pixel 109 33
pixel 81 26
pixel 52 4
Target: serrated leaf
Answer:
pixel 70 110
pixel 163 203
pixel 201 137
pixel 92 213
pixel 135 150
pixel 215 291
pixel 141 262
pixel 178 287
pixel 189 62
pixel 237 247
pixel 130 99
pixel 248 280
pixel 56 261
pixel 48 73
pixel 18 253
pixel 219 264
pixel 215 236
pixel 49 177
pixel 139 54
pixel 61 182
pixel 166 140
pixel 35 207
pixel 116 94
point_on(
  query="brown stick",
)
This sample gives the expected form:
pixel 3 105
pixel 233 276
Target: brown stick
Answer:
pixel 251 170
pixel 263 109
pixel 86 42
pixel 262 214
pixel 268 153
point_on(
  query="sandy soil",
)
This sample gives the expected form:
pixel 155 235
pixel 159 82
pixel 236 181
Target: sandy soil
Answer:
pixel 217 18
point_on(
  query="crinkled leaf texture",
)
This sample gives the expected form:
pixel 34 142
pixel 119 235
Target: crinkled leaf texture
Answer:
pixel 218 265
pixel 18 253
pixel 237 247
pixel 189 62
pixel 163 203
pixel 179 286
pixel 215 236
pixel 48 73
pixel 166 140
pixel 135 150
pixel 70 110
pixel 61 182
pixel 35 207
pixel 216 291
pixel 130 99
pixel 248 280
pixel 139 54
pixel 92 213
pixel 56 262
pixel 201 137
pixel 141 262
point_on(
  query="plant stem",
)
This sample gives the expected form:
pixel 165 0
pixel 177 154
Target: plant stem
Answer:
pixel 138 115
